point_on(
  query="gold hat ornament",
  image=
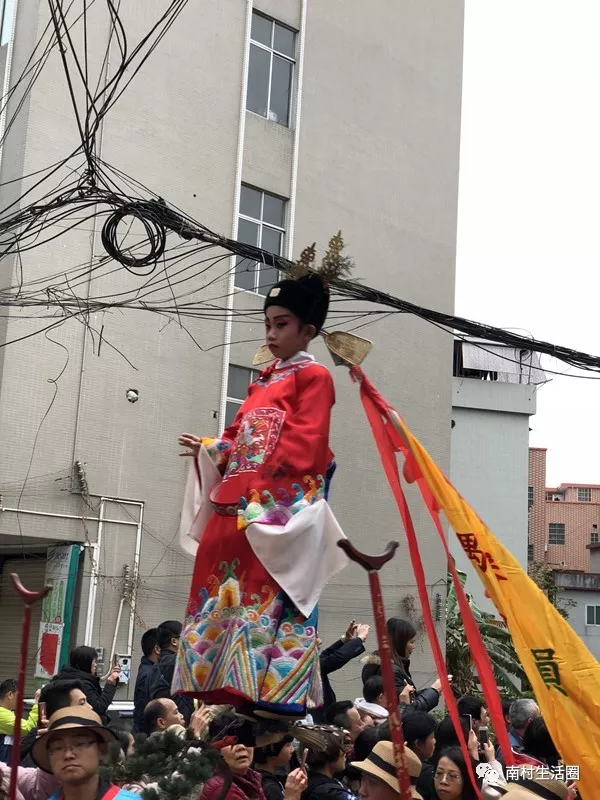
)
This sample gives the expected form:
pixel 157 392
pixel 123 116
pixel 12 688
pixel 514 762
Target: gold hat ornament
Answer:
pixel 346 349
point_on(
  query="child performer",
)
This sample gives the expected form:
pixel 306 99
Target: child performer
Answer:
pixel 267 537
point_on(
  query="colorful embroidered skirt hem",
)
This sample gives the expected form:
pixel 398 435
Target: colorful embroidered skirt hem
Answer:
pixel 243 640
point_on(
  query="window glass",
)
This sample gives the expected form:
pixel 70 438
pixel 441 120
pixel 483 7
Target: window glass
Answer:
pixel 257 98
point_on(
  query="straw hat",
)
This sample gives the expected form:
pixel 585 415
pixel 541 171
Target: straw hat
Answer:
pixel 530 789
pixel 380 764
pixel 69 719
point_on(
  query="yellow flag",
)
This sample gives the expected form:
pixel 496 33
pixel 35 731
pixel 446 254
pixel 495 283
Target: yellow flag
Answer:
pixel 564 675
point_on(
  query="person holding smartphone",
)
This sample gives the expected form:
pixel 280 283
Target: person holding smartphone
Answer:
pixel 82 667
pixel 473 708
pixel 402 637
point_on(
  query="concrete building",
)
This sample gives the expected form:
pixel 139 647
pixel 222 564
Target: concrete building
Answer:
pixel 565 519
pixel 278 123
pixel 565 536
pixel 493 397
pixel 581 590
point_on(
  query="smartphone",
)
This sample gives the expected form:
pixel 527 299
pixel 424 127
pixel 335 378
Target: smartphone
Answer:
pixel 466 720
pixel 304 757
pixel 484 737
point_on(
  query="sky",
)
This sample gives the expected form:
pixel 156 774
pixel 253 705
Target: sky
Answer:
pixel 528 250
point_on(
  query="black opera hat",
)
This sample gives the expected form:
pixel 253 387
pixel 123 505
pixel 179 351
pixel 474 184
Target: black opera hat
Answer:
pixel 307 297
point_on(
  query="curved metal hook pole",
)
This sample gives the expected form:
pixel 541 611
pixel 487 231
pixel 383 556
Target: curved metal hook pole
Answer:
pixel 29 599
pixel 372 564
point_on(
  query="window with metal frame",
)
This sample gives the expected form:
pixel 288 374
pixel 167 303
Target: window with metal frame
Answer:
pixel 271 69
pixel 7 10
pixel 529 552
pixel 529 496
pixel 592 615
pixel 584 495
pixel 556 533
pixel 595 537
pixel 261 223
pixel 238 381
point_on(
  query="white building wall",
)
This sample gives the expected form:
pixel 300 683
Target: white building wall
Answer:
pixel 489 464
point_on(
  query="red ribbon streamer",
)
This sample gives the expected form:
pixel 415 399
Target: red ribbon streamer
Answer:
pixel 478 650
pixel 388 444
pixel 389 687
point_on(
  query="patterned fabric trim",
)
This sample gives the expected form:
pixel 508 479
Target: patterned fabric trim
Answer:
pixel 266 509
pixel 260 647
pixel 217 449
pixel 255 442
pixel 274 376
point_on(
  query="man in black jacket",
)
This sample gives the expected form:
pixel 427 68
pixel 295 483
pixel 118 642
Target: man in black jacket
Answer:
pixel 161 674
pixel 351 645
pixel 141 698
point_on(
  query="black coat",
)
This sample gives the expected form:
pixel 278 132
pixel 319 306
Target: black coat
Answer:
pixel 272 785
pixel 424 699
pixel 331 659
pixel 425 786
pixel 141 697
pixel 97 697
pixel 160 679
pixel 27 742
pixel 320 787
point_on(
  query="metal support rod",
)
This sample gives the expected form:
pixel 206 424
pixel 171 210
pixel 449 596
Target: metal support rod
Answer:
pixel 124 501
pixel 135 581
pixel 89 629
pixel 89 625
pixel 116 633
pixel 81 518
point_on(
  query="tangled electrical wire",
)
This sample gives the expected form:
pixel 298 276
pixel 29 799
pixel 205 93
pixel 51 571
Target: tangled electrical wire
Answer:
pixel 174 257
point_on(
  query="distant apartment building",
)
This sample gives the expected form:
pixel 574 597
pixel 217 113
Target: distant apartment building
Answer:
pixel 494 391
pixel 563 520
pixel 564 534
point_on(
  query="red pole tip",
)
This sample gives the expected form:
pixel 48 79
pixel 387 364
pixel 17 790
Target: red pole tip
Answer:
pixel 28 597
pixel 370 563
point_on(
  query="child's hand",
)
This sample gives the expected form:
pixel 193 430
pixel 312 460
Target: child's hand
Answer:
pixel 191 441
